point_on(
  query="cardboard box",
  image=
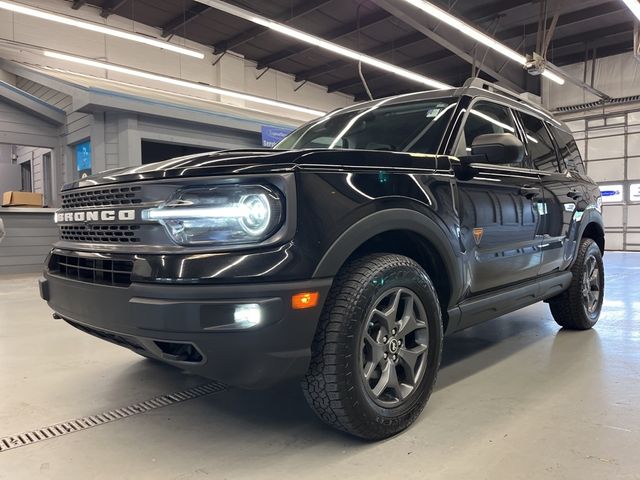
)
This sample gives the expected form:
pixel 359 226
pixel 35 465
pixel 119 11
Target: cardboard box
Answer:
pixel 22 199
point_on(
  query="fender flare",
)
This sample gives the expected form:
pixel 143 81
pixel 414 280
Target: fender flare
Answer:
pixel 590 215
pixel 389 220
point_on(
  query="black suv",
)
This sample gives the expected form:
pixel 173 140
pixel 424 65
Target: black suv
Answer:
pixel 342 256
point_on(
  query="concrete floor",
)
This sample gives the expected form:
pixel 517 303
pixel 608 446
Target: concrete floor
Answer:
pixel 517 398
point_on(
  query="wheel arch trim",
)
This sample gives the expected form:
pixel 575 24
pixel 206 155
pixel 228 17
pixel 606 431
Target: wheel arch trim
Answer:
pixel 592 216
pixel 386 221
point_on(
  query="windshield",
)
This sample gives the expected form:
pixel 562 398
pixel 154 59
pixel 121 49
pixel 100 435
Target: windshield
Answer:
pixel 407 127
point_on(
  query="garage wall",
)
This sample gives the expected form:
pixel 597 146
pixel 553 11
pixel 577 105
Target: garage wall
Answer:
pixel 231 71
pixel 617 76
pixel 610 145
pixel 608 137
pixel 29 235
pixel 18 127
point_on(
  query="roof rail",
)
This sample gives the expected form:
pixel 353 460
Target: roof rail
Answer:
pixel 492 87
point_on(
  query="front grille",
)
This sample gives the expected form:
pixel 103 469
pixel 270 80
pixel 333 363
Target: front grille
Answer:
pixel 100 233
pixel 92 270
pixel 102 197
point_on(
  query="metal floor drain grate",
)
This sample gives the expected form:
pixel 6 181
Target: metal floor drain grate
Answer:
pixel 78 424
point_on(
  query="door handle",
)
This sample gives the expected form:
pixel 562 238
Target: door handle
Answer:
pixel 529 192
pixel 574 194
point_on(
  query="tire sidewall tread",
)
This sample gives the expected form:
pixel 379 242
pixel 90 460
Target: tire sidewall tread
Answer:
pixel 333 386
pixel 568 307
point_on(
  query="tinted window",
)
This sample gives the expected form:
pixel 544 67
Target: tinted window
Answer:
pixel 569 151
pixel 409 127
pixel 539 144
pixel 484 118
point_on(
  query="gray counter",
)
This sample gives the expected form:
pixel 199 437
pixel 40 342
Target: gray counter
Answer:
pixel 29 235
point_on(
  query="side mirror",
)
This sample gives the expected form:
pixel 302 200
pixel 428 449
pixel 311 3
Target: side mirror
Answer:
pixel 498 148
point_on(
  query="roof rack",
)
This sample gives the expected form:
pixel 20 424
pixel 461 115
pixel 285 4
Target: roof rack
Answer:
pixel 487 85
pixel 492 87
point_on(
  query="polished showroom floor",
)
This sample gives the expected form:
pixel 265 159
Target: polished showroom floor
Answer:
pixel 517 398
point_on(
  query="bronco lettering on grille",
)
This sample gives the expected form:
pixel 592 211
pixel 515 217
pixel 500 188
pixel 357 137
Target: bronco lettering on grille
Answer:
pixel 96 216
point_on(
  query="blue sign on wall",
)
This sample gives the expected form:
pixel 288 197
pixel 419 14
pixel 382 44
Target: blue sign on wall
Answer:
pixel 83 158
pixel 272 135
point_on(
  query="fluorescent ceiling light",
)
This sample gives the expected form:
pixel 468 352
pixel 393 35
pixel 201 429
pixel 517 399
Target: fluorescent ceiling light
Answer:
pixel 319 42
pixel 553 77
pixel 114 32
pixel 634 6
pixel 477 35
pixel 182 83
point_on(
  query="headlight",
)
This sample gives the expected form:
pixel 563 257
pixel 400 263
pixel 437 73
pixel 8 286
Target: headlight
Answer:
pixel 226 214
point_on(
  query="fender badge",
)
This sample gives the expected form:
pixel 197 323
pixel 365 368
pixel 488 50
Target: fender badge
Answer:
pixel 477 234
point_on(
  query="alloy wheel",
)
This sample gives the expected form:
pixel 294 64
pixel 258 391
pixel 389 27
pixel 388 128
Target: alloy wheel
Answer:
pixel 591 285
pixel 394 347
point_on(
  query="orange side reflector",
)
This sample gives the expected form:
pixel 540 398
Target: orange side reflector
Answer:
pixel 304 300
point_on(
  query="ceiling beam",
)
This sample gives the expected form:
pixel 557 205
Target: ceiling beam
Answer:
pixel 77 4
pixel 414 62
pixel 405 41
pixel 589 14
pixel 478 14
pixel 602 38
pixel 339 32
pixel 568 19
pixel 406 13
pixel 593 37
pixel 179 21
pixel 301 9
pixel 602 51
pixel 111 6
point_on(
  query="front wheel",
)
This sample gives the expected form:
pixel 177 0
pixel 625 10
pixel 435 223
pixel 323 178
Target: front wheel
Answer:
pixel 578 307
pixel 377 350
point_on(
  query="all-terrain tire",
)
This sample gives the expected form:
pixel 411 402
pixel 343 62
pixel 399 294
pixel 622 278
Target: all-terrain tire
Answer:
pixel 335 386
pixel 571 309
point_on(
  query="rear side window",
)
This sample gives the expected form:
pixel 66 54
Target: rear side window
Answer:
pixel 542 152
pixel 569 151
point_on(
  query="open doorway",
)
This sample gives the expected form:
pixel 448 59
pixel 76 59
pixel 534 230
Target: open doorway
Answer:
pixel 26 169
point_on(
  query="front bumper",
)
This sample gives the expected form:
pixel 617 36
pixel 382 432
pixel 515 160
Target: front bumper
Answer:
pixel 181 324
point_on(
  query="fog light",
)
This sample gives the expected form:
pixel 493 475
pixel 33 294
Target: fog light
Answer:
pixel 247 316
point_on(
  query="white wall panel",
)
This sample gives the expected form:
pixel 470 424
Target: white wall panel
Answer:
pixel 606 170
pixel 633 238
pixel 633 216
pixel 607 147
pixel 613 215
pixel 633 168
pixel 633 118
pixel 614 241
pixel 605 132
pixel 633 144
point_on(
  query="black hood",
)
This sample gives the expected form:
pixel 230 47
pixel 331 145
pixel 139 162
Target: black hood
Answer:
pixel 260 161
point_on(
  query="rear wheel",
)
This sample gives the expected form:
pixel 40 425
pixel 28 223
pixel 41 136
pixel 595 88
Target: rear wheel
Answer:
pixel 578 307
pixel 377 350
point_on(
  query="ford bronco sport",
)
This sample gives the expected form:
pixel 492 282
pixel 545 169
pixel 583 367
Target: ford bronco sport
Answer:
pixel 342 256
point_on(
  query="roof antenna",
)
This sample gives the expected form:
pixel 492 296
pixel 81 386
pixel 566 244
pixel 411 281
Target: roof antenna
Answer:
pixel 364 82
